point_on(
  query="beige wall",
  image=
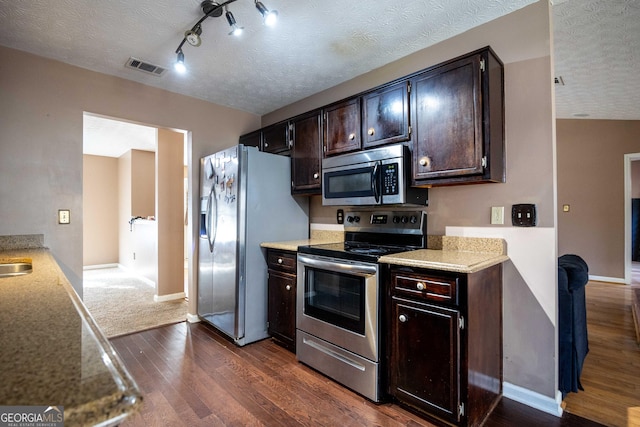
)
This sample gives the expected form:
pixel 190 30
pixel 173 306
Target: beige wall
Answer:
pixel 41 111
pixel 522 41
pixel 170 212
pixel 143 183
pixel 100 207
pixel 591 180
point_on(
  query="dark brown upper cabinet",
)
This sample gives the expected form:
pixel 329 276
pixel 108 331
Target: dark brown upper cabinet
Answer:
pixel 385 115
pixel 306 153
pixel 252 139
pixel 275 138
pixel 342 127
pixel 458 121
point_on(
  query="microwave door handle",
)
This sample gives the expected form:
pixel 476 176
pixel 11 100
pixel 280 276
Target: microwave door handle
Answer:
pixel 375 182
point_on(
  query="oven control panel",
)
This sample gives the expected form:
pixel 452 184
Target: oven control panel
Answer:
pixel 401 221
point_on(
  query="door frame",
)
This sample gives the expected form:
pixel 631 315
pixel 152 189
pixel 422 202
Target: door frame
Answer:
pixel 628 158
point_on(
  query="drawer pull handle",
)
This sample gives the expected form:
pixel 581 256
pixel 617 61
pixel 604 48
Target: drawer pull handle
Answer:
pixel 279 260
pixel 288 287
pixel 371 131
pixel 421 286
pixel 352 136
pixel 403 318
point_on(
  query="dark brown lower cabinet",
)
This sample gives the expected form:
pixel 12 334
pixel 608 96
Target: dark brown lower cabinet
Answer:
pixel 281 312
pixel 445 342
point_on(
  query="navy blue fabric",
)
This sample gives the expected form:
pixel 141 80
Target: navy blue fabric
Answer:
pixel 573 275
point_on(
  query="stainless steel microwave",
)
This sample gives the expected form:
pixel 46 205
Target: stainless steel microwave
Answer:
pixel 379 176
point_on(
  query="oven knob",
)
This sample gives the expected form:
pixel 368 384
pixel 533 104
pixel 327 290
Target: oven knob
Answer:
pixel 396 219
pixel 413 219
pixel 405 219
pixel 356 219
pixel 349 218
pixel 420 286
pixel 403 318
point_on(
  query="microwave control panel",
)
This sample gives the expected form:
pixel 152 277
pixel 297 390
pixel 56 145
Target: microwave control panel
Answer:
pixel 390 183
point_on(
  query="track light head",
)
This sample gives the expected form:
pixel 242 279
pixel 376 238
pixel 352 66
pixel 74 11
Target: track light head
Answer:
pixel 270 17
pixel 193 36
pixel 235 29
pixel 179 64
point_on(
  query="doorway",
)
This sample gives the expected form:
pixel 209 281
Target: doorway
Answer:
pixel 130 171
pixel 631 190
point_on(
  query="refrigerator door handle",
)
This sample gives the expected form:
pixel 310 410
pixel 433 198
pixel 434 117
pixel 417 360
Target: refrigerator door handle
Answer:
pixel 212 218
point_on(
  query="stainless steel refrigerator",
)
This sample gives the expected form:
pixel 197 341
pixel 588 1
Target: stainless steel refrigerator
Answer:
pixel 245 199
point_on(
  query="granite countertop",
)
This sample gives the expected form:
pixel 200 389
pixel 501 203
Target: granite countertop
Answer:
pixel 318 237
pixel 53 353
pixel 458 254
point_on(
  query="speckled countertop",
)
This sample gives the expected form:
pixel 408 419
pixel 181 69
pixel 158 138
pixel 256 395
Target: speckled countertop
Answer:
pixel 458 254
pixel 449 253
pixel 317 237
pixel 52 352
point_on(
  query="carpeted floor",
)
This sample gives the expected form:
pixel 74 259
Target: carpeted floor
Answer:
pixel 121 303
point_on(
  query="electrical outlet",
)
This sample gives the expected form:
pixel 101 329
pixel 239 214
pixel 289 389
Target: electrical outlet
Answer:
pixel 497 215
pixel 64 216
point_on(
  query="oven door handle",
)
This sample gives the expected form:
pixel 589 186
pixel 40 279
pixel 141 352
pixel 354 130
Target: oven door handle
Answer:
pixel 375 182
pixel 337 265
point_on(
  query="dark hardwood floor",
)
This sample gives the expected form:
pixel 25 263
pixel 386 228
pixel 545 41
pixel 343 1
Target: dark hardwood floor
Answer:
pixel 190 375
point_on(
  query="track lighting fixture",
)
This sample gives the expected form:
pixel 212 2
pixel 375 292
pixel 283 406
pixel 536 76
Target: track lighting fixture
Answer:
pixel 212 9
pixel 270 17
pixel 179 65
pixel 235 30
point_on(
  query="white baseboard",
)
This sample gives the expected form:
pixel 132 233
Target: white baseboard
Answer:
pixel 99 266
pixel 170 297
pixel 607 279
pixel 192 318
pixel 533 399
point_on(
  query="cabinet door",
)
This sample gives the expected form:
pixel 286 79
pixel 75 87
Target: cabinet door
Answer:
pixel 385 115
pixel 252 139
pixel 282 308
pixel 275 138
pixel 425 358
pixel 447 121
pixel 342 127
pixel 306 154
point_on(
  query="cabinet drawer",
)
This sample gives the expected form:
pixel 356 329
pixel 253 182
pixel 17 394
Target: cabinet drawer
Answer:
pixel 283 261
pixel 430 288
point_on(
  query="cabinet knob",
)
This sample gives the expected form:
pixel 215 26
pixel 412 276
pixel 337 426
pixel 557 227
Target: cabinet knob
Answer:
pixel 420 286
pixel 352 136
pixel 266 144
pixel 316 175
pixel 371 131
pixel 403 318
pixel 279 260
pixel 288 287
pixel 424 161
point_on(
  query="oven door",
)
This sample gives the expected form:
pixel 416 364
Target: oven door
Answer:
pixel 357 184
pixel 338 302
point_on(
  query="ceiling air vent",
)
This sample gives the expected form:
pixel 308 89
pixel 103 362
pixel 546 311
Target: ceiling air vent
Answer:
pixel 145 67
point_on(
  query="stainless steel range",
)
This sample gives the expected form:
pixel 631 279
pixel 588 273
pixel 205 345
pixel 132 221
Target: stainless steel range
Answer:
pixel 339 296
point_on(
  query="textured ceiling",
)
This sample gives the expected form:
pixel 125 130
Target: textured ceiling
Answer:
pixel 319 44
pixel 597 54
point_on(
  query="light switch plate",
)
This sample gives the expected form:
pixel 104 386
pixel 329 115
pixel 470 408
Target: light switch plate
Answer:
pixel 64 216
pixel 524 215
pixel 497 215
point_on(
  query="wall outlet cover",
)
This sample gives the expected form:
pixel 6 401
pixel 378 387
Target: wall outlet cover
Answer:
pixel 64 216
pixel 524 215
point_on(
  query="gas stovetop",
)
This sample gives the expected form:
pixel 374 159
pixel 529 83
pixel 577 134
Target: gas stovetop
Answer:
pixel 369 234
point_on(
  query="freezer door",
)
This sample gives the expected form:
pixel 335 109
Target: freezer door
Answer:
pixel 224 312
